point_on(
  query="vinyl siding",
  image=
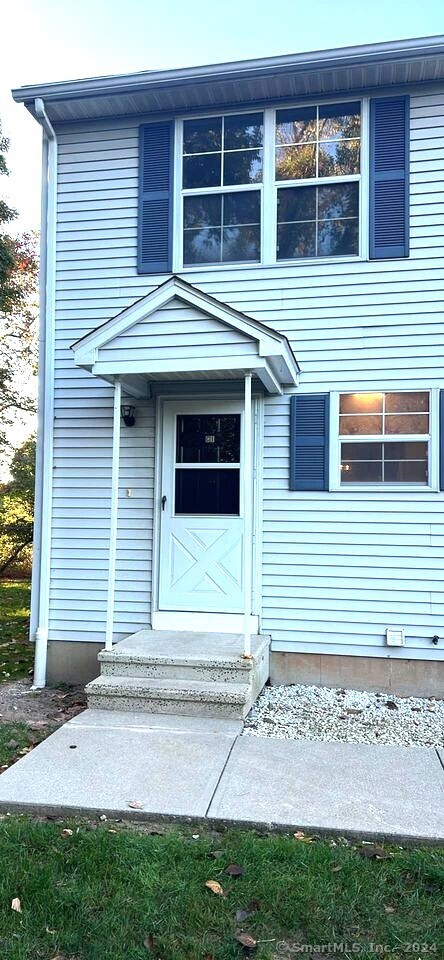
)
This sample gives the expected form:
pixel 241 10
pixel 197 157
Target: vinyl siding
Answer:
pixel 338 568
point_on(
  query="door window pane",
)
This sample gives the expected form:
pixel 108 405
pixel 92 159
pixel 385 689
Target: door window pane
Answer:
pixel 207 491
pixel 208 438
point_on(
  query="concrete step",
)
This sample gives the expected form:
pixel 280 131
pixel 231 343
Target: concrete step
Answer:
pixel 230 701
pixel 161 654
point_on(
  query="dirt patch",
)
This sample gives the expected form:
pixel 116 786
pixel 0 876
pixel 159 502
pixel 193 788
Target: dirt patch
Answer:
pixel 18 702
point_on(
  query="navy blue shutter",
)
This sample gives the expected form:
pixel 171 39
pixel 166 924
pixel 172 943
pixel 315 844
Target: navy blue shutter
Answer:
pixel 441 439
pixel 389 177
pixel 155 197
pixel 309 441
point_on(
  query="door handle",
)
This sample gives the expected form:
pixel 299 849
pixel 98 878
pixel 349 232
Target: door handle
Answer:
pixel 163 501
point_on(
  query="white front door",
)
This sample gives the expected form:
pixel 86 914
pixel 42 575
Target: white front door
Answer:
pixel 202 508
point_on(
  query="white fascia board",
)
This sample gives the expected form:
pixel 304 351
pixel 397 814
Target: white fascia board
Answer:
pixel 170 367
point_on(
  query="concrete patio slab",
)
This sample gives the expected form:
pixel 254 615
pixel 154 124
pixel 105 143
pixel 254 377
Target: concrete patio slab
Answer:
pixel 393 792
pixel 97 764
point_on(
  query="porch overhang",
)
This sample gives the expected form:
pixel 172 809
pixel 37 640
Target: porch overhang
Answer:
pixel 138 345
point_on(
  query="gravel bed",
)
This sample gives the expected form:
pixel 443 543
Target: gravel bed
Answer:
pixel 350 716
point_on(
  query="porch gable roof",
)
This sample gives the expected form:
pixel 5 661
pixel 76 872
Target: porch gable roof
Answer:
pixel 250 345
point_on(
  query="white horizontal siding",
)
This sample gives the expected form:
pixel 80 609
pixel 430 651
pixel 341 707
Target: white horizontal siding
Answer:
pixel 337 568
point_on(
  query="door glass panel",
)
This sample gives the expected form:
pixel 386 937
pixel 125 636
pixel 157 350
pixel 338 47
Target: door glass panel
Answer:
pixel 208 438
pixel 213 491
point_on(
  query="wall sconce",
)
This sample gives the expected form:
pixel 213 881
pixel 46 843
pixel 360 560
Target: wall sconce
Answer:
pixel 128 414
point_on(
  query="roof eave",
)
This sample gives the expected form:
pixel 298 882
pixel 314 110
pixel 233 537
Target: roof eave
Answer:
pixel 156 79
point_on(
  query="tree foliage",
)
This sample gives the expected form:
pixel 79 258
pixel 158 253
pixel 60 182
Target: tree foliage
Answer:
pixel 18 318
pixel 16 509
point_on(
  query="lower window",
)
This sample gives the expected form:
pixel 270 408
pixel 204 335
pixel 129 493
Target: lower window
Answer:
pixel 318 221
pixel 384 438
pixel 222 227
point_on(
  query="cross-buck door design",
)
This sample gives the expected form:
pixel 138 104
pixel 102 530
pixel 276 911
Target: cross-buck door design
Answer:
pixel 202 508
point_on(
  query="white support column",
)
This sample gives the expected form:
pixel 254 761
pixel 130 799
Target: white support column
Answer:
pixel 113 516
pixel 248 513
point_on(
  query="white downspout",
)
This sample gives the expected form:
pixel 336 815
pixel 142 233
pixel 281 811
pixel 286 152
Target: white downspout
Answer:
pixel 248 513
pixel 113 516
pixel 41 580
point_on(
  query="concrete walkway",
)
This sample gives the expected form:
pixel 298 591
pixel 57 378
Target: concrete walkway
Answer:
pixel 150 766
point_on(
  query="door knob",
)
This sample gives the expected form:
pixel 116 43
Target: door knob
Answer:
pixel 163 502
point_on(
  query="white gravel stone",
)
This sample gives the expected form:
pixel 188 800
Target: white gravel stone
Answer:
pixel 350 716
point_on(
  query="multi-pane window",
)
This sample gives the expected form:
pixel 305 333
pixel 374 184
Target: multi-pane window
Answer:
pixel 384 437
pixel 222 156
pixel 320 144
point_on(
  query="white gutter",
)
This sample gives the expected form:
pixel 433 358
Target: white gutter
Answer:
pixel 44 466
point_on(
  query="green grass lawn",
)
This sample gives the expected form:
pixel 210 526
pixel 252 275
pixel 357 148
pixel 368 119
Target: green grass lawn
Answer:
pixel 110 892
pixel 16 739
pixel 16 653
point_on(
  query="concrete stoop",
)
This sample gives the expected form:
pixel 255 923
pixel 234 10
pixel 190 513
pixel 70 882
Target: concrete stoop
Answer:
pixel 191 674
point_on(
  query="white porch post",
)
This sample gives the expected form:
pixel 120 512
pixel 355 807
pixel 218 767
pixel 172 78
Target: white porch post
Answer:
pixel 113 516
pixel 248 512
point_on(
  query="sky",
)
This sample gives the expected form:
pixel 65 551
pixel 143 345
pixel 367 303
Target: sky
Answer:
pixel 49 40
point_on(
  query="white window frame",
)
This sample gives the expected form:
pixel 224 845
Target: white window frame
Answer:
pixel 381 488
pixel 268 190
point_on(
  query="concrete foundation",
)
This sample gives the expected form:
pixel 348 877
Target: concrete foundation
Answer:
pixel 402 678
pixel 73 662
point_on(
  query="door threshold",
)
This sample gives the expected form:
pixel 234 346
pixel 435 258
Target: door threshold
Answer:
pixel 202 622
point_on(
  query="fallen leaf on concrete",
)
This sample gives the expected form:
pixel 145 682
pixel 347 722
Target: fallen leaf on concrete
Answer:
pixel 215 887
pixel 16 905
pixel 391 705
pixel 135 804
pixel 246 940
pixel 66 833
pixel 234 870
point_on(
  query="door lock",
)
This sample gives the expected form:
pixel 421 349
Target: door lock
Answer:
pixel 163 502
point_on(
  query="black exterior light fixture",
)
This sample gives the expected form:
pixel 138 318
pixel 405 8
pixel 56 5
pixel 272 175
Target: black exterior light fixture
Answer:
pixel 128 414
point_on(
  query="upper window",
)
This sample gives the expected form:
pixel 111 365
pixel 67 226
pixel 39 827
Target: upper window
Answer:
pixel 384 438
pixel 321 144
pixel 221 155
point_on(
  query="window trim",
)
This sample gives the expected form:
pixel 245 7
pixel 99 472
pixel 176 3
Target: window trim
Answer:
pixel 382 488
pixel 268 191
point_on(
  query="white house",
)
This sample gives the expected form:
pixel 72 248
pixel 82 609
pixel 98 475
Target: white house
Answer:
pixel 241 375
